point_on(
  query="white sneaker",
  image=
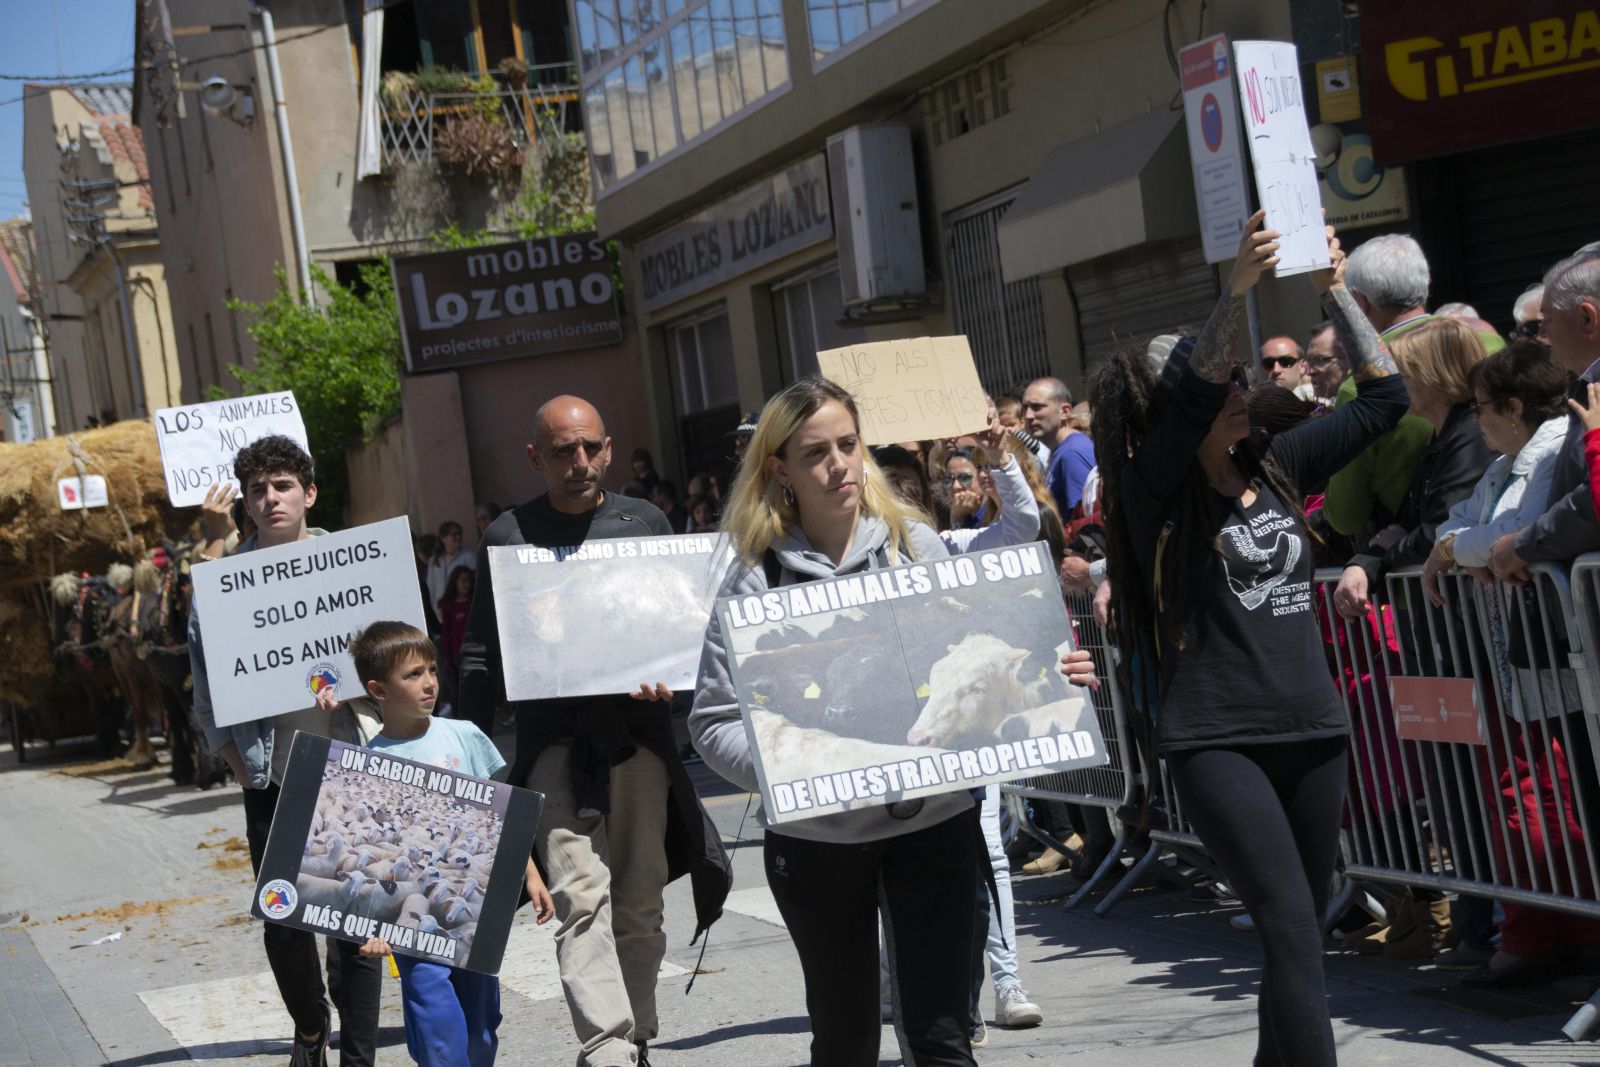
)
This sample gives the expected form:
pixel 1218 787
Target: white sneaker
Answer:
pixel 1013 1009
pixel 980 1034
pixel 1242 921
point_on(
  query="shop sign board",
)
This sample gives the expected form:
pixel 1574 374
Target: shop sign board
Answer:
pixel 503 301
pixel 1449 75
pixel 780 214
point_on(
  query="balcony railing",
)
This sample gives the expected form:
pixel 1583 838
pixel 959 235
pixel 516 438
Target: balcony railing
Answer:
pixel 528 114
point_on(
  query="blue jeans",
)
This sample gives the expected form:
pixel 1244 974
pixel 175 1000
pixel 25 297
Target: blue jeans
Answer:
pixel 451 1014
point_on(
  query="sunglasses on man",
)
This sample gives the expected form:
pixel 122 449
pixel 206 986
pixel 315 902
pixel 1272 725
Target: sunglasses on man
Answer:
pixel 1526 331
pixel 1279 361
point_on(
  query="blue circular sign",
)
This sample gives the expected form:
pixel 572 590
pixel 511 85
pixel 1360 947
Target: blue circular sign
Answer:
pixel 1211 122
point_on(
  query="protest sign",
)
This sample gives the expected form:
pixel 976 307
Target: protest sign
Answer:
pixel 365 844
pixel 198 441
pixel 606 615
pixel 278 621
pixel 888 685
pixel 1281 154
pixel 916 389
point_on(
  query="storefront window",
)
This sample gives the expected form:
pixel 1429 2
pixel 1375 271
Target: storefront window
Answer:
pixel 703 353
pixel 683 66
pixel 837 24
pixel 808 310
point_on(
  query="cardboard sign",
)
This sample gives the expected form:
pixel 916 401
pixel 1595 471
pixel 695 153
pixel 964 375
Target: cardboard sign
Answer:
pixel 75 494
pixel 1438 709
pixel 888 685
pixel 917 389
pixel 1281 154
pixel 1216 145
pixel 647 599
pixel 198 441
pixel 365 844
pixel 277 622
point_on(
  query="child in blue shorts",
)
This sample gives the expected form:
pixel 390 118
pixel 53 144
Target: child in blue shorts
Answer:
pixel 451 1014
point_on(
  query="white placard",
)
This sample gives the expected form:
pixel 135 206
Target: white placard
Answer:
pixel 276 623
pixel 1280 152
pixel 20 428
pixel 76 494
pixel 605 616
pixel 1216 145
pixel 198 441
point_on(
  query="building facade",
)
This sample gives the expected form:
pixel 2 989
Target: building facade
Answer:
pixel 27 400
pixel 101 302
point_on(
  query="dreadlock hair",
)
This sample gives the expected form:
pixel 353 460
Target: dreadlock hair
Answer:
pixel 1127 409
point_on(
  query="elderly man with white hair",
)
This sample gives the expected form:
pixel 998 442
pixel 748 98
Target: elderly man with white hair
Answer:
pixel 1526 314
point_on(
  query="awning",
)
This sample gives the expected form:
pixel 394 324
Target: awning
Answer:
pixel 1121 188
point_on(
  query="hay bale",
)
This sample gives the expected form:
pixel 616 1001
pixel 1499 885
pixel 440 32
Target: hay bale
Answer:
pixel 38 539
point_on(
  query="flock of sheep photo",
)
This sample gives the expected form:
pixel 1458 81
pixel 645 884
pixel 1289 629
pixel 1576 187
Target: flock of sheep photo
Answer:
pixel 398 853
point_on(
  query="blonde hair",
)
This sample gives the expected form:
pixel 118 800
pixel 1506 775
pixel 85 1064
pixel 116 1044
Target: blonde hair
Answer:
pixel 1439 355
pixel 757 516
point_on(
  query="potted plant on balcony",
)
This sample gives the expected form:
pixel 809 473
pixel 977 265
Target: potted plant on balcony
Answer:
pixel 477 147
pixel 515 72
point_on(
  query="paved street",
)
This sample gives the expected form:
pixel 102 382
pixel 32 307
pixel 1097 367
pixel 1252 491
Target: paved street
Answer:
pixel 92 851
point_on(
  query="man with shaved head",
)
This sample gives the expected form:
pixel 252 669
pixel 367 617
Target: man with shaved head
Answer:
pixel 1047 413
pixel 620 814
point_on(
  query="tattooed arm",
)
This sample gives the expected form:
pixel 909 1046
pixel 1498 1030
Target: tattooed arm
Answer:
pixel 1213 349
pixel 1369 356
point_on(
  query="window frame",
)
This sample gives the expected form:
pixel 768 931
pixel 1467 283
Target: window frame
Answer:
pixel 906 10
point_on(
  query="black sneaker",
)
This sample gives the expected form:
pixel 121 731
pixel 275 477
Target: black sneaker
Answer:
pixel 315 1054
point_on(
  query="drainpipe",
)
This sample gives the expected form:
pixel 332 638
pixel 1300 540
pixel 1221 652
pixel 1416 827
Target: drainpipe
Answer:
pixel 269 42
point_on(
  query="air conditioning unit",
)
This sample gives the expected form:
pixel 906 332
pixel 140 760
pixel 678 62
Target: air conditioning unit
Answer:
pixel 873 187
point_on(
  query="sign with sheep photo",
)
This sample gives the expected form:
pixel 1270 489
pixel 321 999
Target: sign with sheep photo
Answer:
pixel 894 684
pixel 648 599
pixel 365 844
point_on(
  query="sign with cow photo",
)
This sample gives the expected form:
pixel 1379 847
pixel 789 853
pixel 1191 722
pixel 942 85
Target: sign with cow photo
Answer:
pixel 647 598
pixel 365 844
pixel 888 685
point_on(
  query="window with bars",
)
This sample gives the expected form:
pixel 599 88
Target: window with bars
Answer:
pixel 837 24
pixel 659 73
pixel 1003 321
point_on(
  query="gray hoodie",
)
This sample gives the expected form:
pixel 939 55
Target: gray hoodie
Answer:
pixel 720 732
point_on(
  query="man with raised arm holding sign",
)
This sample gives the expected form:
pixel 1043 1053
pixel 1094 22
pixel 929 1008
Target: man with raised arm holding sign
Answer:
pixel 620 816
pixel 279 485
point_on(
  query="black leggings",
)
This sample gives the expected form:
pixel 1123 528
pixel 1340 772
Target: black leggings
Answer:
pixel 1269 815
pixel 830 896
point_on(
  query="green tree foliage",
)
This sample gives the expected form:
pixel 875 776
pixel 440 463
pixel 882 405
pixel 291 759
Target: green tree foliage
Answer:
pixel 342 361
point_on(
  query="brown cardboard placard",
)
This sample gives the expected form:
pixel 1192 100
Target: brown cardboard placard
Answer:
pixel 913 389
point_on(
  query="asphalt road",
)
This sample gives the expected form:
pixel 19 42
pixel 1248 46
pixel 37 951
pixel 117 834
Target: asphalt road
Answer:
pixel 96 851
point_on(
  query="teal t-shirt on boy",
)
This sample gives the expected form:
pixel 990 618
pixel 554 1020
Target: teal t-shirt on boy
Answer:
pixel 453 745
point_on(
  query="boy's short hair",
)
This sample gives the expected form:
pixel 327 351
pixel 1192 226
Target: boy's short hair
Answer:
pixel 273 454
pixel 383 646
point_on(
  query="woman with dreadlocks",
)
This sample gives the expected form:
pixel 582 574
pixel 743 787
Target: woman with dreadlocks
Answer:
pixel 1211 563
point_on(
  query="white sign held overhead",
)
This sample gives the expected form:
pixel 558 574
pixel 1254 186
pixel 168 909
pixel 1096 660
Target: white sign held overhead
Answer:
pixel 198 441
pixel 277 622
pixel 1216 145
pixel 1281 153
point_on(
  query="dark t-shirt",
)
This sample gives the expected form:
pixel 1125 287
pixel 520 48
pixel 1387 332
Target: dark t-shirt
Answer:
pixel 1252 668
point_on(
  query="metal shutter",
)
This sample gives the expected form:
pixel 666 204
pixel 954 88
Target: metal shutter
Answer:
pixel 1003 321
pixel 1519 209
pixel 1130 296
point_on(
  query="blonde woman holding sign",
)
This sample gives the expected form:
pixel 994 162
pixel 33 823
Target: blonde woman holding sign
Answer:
pixel 809 503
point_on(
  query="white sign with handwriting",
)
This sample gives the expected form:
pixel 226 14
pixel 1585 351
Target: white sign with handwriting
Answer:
pixel 1281 153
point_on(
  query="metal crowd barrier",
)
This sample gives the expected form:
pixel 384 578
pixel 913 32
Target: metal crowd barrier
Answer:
pixel 1110 786
pixel 1500 803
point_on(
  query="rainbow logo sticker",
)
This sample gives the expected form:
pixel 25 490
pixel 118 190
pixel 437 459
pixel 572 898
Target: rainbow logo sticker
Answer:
pixel 321 676
pixel 278 899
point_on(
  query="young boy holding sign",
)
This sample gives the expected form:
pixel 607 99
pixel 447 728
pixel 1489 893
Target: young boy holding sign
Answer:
pixel 451 1014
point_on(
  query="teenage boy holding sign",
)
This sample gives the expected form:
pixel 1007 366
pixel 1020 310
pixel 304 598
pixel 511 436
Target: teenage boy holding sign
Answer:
pixel 278 481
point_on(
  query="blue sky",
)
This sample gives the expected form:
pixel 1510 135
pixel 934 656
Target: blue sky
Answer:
pixel 95 35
